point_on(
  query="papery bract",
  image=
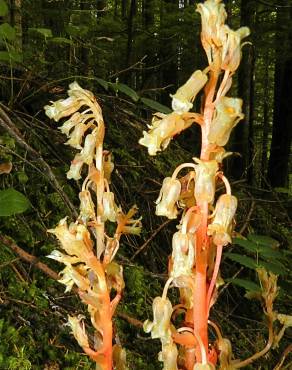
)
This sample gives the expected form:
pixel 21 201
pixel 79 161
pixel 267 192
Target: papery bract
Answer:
pixel 227 115
pixel 78 329
pixel 169 195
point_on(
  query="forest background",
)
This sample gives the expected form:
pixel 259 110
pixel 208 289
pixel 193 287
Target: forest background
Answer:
pixel 132 54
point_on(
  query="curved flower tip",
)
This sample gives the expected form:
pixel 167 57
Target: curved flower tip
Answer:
pixel 185 95
pixel 169 195
pixel 163 129
pixel 78 330
pixel 75 90
pixel 62 108
pixel 227 115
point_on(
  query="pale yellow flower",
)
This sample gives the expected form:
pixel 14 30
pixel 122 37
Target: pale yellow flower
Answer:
pixel 183 254
pixel 213 16
pixel 108 166
pixel 70 123
pixel 87 211
pixel 64 258
pixel 163 129
pixel 110 208
pixel 231 51
pixel 221 226
pixel 74 240
pixel 160 327
pixel 185 95
pixel 168 196
pixel 75 168
pixel 78 330
pixel 205 180
pixel 127 224
pixel 74 275
pixel 62 108
pixel 227 115
pixel 76 136
pixel 168 356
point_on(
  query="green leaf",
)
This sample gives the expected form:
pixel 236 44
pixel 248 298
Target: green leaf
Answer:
pixel 102 83
pixel 61 40
pixel 246 284
pixel 12 202
pixel 46 32
pixel 263 240
pixel 7 32
pixel 11 56
pixel 3 8
pixel 125 89
pixel 248 245
pixel 243 260
pixel 77 31
pixel 157 107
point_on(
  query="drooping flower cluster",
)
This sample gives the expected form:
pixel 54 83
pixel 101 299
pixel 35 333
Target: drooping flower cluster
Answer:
pixel 88 265
pixel 207 220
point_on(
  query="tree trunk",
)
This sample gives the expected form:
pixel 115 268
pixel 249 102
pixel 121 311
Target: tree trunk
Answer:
pixel 282 128
pixel 243 134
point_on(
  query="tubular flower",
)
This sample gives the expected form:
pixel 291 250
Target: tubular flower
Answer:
pixel 228 114
pixel 160 327
pixel 205 180
pixel 185 95
pixel 168 356
pixel 183 254
pixel 87 211
pixel 70 123
pixel 231 51
pixel 225 356
pixel 168 196
pixel 221 226
pixel 204 367
pixel 78 330
pixel 163 129
pixel 127 224
pixel 63 108
pixel 77 135
pixel 109 207
pixel 108 166
pixel 75 168
pixel 213 16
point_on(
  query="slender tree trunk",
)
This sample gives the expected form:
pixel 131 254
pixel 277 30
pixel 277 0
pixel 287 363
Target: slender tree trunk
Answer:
pixel 265 139
pixel 282 128
pixel 130 32
pixel 243 135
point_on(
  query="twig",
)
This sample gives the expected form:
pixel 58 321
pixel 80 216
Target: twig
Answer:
pixel 9 126
pixel 53 274
pixel 28 257
pixel 143 246
pixel 283 357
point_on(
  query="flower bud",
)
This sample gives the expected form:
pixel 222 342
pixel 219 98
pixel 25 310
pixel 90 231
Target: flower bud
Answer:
pixel 87 211
pixel 168 356
pixel 78 330
pixel 169 195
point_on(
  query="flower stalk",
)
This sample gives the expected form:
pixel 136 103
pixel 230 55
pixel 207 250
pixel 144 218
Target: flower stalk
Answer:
pixel 206 222
pixel 88 248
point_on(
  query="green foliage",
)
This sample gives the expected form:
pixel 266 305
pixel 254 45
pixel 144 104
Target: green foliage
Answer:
pixel 12 202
